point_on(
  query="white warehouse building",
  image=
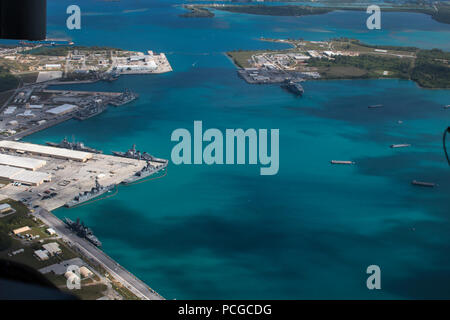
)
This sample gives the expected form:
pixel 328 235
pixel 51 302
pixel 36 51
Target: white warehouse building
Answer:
pixel 21 162
pixel 36 149
pixel 62 109
pixel 32 178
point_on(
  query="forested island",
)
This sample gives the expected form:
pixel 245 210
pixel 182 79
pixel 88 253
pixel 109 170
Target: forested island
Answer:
pixel 438 11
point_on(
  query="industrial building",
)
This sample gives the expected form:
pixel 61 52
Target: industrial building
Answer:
pixel 62 109
pixel 10 110
pixel 21 162
pixel 32 178
pixel 20 230
pixel 45 151
pixel 4 208
pixel 52 248
pixel 72 277
pixel 85 272
pixel 149 66
pixel 41 255
pixel 51 231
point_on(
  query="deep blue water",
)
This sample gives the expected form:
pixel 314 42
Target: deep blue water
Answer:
pixel 308 232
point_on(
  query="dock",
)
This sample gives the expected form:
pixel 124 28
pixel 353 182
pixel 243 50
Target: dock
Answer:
pixel 94 93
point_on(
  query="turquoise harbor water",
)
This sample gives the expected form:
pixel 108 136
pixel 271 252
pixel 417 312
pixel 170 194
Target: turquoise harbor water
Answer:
pixel 308 232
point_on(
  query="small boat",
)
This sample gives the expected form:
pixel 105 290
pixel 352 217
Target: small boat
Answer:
pixel 401 145
pixel 423 184
pixel 342 162
pixel 447 106
pixel 374 106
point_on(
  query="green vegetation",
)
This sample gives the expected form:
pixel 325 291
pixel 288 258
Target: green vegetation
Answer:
pixel 124 292
pixel 7 80
pixel 8 242
pixel 87 292
pixel 439 11
pixel 371 64
pixel 443 13
pixel 5 241
pixel 430 69
pixel 352 44
pixel 91 288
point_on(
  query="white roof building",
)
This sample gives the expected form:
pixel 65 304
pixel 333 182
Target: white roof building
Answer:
pixel 20 230
pixel 71 276
pixel 52 66
pixel 23 176
pixel 21 162
pixel 47 151
pixel 52 248
pixel 63 109
pixel 10 110
pixel 4 207
pixel 26 114
pixel 85 272
pixel 32 178
pixel 41 255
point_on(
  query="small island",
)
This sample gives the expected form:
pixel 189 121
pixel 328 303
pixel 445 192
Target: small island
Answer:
pixel 196 12
pixel 343 59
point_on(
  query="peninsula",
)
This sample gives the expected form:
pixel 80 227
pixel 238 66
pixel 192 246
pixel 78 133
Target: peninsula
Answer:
pixel 343 59
pixel 36 179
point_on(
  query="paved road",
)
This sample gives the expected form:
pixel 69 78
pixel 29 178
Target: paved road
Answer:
pixel 135 285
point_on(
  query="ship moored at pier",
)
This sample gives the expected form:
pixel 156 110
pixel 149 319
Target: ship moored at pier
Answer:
pixel 82 231
pixel 78 146
pixel 293 87
pixel 96 191
pixel 138 155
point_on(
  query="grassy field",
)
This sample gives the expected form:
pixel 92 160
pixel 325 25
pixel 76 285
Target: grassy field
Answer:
pixel 90 289
pixel 9 242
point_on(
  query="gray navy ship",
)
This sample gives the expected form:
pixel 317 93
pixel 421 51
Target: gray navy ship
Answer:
pixel 126 97
pixel 294 87
pixel 78 146
pixel 148 170
pixel 82 231
pixel 136 154
pixel 96 191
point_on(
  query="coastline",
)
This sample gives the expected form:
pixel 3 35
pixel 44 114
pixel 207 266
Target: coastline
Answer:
pixel 89 104
pixel 343 59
